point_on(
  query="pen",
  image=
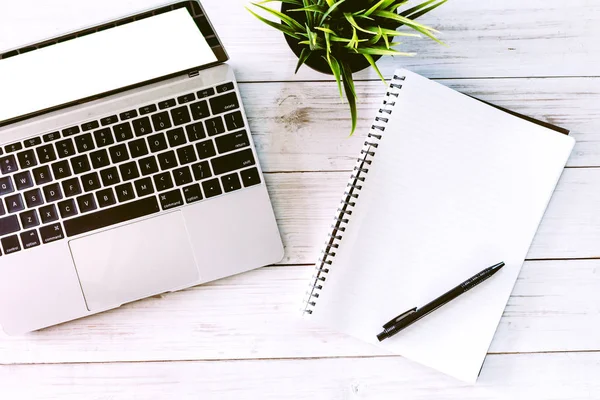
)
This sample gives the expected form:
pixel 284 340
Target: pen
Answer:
pixel 411 316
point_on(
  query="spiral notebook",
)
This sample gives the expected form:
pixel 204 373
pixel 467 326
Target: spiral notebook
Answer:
pixel 445 186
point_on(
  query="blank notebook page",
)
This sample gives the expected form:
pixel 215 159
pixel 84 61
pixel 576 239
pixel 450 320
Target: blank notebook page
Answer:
pixel 455 186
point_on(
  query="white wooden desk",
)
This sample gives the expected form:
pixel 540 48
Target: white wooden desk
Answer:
pixel 240 338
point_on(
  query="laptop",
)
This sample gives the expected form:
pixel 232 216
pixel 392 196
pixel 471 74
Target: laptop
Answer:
pixel 127 169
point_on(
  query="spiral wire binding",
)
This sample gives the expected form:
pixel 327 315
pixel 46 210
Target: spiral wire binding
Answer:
pixel 351 195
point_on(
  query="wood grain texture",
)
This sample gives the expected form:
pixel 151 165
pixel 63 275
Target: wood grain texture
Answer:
pixel 554 307
pixel 515 377
pixel 304 126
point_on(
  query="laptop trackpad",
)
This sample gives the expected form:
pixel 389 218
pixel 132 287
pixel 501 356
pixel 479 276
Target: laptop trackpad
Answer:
pixel 134 261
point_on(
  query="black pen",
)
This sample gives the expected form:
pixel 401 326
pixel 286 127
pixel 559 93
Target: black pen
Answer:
pixel 414 314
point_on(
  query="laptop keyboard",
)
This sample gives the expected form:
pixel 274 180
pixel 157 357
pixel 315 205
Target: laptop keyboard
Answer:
pixel 124 166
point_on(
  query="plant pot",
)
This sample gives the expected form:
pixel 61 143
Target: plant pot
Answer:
pixel 357 62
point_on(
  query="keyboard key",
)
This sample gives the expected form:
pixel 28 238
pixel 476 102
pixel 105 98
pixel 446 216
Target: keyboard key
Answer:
pixel 67 208
pixel 11 244
pixel 176 137
pixel 180 115
pixel 48 213
pixel 231 182
pixel 46 153
pixel 205 93
pixel 125 192
pixel 148 165
pixel 109 120
pixel 214 126
pixel 2 211
pixel 201 170
pixel 65 148
pixel 182 176
pixel 186 98
pixel 42 175
pixel 161 121
pixel 49 137
pixel 129 171
pixel 171 199
pixel 88 126
pixel 234 120
pixel 9 225
pixel 33 142
pixel 112 216
pixel 6 186
pixel 23 180
pixel 99 159
pixel 106 198
pixel 192 193
pixel 61 169
pixel 104 137
pixel 84 143
pixel 195 131
pixel 144 187
pixel 211 188
pixel 90 182
pixel 80 164
pixel 205 149
pixel 51 233
pixel 52 193
pixel 70 131
pixel 233 161
pixel 142 126
pixel 29 219
pixel 163 181
pixel 14 203
pixel 200 110
pixel 232 141
pixel 33 198
pixel 167 160
pixel 157 142
pixel 186 155
pixel 11 148
pixel 138 148
pixel 128 115
pixel 30 239
pixel 223 103
pixel 250 177
pixel 123 132
pixel 110 176
pixel 8 164
pixel 118 153
pixel 167 104
pixel 147 109
pixel 71 187
pixel 226 87
pixel 86 203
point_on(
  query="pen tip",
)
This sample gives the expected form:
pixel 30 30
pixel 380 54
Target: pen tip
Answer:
pixel 499 265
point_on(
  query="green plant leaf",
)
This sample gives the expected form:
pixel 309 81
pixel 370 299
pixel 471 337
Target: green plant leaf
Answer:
pixel 331 9
pixel 280 27
pixel 426 10
pixel 374 8
pixel 382 51
pixel 350 19
pixel 335 68
pixel 294 2
pixel 304 54
pixel 425 30
pixel 288 20
pixel 325 30
pixel 350 93
pixel 374 65
pixel 416 8
pixel 391 32
pixel 313 8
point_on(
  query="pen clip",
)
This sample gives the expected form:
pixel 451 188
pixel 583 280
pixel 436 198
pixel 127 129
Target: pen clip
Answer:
pixel 395 320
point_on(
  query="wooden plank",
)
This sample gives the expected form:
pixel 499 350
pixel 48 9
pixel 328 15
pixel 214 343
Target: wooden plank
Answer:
pixel 257 315
pixel 539 376
pixel 304 126
pixel 485 38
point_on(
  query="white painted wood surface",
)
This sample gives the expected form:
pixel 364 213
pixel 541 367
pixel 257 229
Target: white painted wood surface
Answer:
pixel 240 337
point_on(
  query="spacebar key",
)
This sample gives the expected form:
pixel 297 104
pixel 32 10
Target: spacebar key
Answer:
pixel 111 216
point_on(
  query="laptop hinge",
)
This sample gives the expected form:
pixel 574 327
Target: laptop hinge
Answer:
pixel 194 73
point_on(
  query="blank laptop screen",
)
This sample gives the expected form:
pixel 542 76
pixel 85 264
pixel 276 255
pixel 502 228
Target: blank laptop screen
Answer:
pixel 100 62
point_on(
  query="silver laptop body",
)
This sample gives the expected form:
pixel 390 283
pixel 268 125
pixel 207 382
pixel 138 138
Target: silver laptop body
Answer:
pixel 138 192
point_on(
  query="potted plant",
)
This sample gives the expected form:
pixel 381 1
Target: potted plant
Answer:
pixel 346 36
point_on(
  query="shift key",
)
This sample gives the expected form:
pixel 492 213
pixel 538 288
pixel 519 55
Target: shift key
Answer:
pixel 9 225
pixel 233 161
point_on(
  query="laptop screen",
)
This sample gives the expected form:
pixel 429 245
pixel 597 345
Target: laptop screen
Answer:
pixel 105 59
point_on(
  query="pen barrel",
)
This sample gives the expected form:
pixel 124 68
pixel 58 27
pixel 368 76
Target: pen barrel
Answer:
pixel 476 280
